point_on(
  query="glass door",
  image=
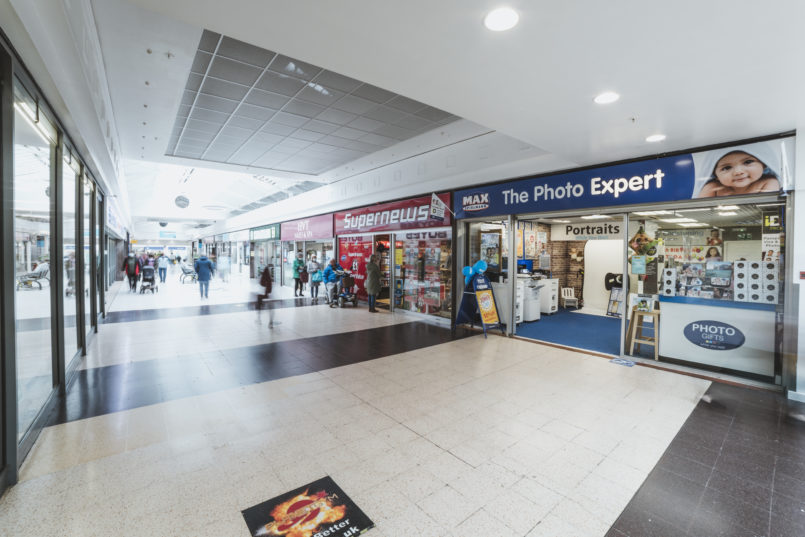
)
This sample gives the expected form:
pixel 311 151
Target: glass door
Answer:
pixel 86 247
pixel 71 171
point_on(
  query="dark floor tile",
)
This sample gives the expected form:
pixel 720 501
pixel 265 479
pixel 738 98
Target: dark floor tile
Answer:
pixel 758 473
pixel 789 486
pixel 614 532
pixel 784 527
pixel 741 489
pixel 686 447
pixel 729 510
pixel 702 438
pixel 792 509
pixel 791 467
pixel 669 496
pixel 640 523
pixel 689 469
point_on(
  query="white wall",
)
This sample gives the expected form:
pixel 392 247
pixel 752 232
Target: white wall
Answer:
pixel 600 257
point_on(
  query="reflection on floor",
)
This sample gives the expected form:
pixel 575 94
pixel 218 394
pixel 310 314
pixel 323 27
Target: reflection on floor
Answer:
pixel 566 327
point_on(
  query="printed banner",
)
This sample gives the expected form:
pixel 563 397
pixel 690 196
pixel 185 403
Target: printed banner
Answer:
pixel 747 169
pixel 353 254
pixel 407 214
pixel 316 509
pixel 486 305
pixel 305 229
pixel 530 243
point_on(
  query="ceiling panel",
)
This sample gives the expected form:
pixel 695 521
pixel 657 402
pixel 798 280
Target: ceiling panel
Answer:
pixel 254 107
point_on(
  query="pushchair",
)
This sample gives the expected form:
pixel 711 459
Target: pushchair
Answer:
pixel 149 280
pixel 188 274
pixel 28 279
pixel 346 289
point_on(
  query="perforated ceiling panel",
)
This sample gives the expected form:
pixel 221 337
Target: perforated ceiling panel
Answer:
pixel 249 106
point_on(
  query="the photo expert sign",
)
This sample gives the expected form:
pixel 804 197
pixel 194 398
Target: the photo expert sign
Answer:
pixel 318 509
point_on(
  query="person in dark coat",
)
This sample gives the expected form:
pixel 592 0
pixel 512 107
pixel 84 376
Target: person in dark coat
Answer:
pixel 265 281
pixel 372 282
pixel 132 266
pixel 205 270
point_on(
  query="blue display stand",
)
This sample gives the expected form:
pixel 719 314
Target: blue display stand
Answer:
pixel 469 312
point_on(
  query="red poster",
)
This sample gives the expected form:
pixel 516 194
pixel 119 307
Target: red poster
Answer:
pixel 305 229
pixel 407 214
pixel 353 253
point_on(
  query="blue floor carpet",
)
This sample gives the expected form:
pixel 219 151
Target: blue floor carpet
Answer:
pixel 580 330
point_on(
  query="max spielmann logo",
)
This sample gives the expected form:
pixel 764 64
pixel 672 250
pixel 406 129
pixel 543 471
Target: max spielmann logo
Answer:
pixel 475 202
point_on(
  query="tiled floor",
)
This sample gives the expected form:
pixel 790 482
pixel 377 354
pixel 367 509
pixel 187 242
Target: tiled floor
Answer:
pixel 428 434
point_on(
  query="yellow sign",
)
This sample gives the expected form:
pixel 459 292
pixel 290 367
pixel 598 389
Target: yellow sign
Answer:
pixel 486 305
pixel 398 257
pixel 519 243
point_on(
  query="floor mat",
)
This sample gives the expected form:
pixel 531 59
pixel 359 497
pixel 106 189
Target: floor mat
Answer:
pixel 591 332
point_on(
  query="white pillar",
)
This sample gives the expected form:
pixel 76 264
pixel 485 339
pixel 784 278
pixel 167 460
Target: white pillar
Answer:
pixel 796 248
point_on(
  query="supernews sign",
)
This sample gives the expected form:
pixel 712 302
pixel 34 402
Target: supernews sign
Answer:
pixel 407 214
pixel 676 178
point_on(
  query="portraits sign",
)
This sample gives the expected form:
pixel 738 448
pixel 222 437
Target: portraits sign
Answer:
pixel 316 509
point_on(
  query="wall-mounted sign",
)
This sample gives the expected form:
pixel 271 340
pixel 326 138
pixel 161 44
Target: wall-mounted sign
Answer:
pixel 407 214
pixel 305 229
pixel 714 335
pixel 687 176
pixel 167 234
pixel 586 232
pixel 269 232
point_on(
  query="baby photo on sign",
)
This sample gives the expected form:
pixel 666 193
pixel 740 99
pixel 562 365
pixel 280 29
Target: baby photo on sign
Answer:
pixel 318 508
pixel 743 169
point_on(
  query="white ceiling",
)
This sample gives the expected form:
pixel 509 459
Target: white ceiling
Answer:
pixel 699 72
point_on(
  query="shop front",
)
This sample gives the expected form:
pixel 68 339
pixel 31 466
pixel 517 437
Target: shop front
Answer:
pixel 415 253
pixel 678 259
pixel 312 237
pixel 265 250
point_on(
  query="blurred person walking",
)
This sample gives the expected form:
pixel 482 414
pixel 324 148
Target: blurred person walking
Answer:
pixel 131 267
pixel 314 272
pixel 298 267
pixel 205 270
pixel 265 281
pixel 372 282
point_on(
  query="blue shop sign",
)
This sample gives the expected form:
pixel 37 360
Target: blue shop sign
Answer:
pixel 714 335
pixel 681 177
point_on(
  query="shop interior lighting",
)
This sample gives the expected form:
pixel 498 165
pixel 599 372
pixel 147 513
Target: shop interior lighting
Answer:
pixel 693 210
pixel 26 112
pixel 501 19
pixel 655 138
pixel 608 97
pixel 677 220
pixel 594 217
pixel 653 213
pixel 696 224
pixel 728 213
pixel 561 221
pixel 727 208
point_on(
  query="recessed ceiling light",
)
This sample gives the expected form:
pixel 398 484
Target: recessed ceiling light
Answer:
pixel 655 138
pixel 594 217
pixel 726 207
pixel 607 97
pixel 503 18
pixel 562 221
pixel 693 210
pixel 728 213
pixel 697 224
pixel 677 220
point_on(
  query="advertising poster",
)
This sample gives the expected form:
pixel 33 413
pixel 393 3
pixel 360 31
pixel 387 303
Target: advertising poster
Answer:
pixel 530 238
pixel 486 305
pixel 490 249
pixel 771 246
pixel 316 509
pixel 707 174
pixel 638 264
pixel 519 244
pixel 352 255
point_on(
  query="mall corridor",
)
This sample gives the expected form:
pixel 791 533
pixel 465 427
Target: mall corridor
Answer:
pixel 184 415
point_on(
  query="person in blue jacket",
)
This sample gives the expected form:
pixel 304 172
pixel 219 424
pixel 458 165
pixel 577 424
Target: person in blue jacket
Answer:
pixel 330 278
pixel 205 270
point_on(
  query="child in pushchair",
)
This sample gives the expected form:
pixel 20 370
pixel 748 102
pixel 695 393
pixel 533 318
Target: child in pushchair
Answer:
pixel 149 280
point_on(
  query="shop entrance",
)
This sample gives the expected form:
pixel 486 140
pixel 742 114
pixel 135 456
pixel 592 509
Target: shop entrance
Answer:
pixel 570 280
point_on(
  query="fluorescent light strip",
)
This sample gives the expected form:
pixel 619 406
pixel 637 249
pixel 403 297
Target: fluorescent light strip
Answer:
pixel 677 220
pixel 653 213
pixel 693 210
pixel 726 207
pixel 728 213
pixel 697 224
pixel 594 217
pixel 24 112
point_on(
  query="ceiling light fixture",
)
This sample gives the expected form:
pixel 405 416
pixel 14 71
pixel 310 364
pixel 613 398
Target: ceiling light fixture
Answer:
pixel 677 220
pixel 695 224
pixel 501 19
pixel 562 221
pixel 728 213
pixel 726 207
pixel 607 97
pixel 653 213
pixel 655 138
pixel 594 217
